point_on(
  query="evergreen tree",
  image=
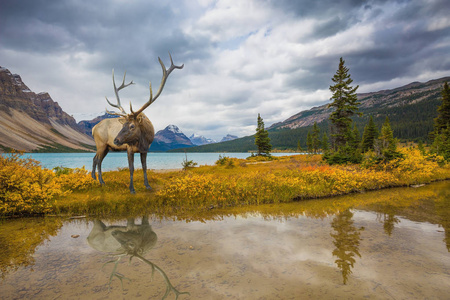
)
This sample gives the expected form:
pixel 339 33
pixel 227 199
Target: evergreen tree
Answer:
pixel 299 147
pixel 443 119
pixel 386 147
pixel 325 145
pixel 345 104
pixel 262 139
pixel 356 138
pixel 369 136
pixel 315 138
pixel 441 133
pixel 309 143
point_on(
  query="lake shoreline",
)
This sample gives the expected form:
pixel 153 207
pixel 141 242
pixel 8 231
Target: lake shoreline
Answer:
pixel 231 182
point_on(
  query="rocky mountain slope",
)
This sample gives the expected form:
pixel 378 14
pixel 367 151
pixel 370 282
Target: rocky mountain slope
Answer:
pixel 34 122
pixel 409 94
pixel 199 140
pixel 87 125
pixel 228 138
pixel 169 138
pixel 410 108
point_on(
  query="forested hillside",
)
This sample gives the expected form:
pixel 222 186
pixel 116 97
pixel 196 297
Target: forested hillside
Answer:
pixel 411 110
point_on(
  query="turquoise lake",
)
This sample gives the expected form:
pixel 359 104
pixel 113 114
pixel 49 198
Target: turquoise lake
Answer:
pixel 115 160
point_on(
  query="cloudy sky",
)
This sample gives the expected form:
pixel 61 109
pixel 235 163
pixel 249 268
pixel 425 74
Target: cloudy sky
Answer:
pixel 241 58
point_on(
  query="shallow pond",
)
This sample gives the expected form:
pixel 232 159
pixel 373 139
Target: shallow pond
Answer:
pixel 390 244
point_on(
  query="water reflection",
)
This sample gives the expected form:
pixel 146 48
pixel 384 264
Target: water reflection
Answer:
pixel 346 240
pixel 131 240
pixel 384 244
pixel 19 240
pixel 388 218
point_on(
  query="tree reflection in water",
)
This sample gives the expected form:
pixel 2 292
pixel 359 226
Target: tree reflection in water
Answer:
pixel 131 240
pixel 19 240
pixel 388 219
pixel 346 240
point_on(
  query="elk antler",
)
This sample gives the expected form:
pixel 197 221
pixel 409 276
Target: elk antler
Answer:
pixel 116 91
pixel 166 74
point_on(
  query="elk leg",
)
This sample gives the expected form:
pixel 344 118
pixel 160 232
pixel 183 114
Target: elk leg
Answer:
pixel 144 169
pixel 100 156
pixel 94 166
pixel 131 167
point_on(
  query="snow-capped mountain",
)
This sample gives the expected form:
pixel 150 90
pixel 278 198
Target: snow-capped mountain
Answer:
pixel 199 140
pixel 170 138
pixel 228 137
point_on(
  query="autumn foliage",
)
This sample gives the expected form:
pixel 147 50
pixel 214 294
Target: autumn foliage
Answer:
pixel 27 188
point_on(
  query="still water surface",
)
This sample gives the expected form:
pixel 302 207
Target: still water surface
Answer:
pixel 390 244
pixel 115 160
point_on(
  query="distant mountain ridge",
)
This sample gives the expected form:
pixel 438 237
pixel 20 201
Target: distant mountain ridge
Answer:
pixel 170 138
pixel 200 140
pixel 411 109
pixel 228 138
pixel 34 122
pixel 405 95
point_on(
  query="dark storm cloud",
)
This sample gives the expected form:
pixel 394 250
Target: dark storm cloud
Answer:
pixel 124 32
pixel 241 57
pixel 404 40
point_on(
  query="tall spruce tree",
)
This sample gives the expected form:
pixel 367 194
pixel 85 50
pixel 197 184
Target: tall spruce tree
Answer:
pixel 345 104
pixel 262 140
pixel 356 137
pixel 315 138
pixel 325 145
pixel 309 142
pixel 387 144
pixel 370 134
pixel 441 133
pixel 443 119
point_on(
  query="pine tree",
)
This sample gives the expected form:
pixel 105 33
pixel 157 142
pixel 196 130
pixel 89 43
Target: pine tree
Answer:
pixel 299 147
pixel 387 145
pixel 345 104
pixel 369 136
pixel 309 143
pixel 441 133
pixel 315 138
pixel 262 140
pixel 443 119
pixel 325 145
pixel 356 137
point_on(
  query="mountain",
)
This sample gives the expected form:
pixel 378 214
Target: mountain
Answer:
pixel 87 125
pixel 34 122
pixel 170 138
pixel 385 102
pixel 410 108
pixel 228 138
pixel 199 140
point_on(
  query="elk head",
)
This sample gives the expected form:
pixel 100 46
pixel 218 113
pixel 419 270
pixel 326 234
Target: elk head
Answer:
pixel 135 123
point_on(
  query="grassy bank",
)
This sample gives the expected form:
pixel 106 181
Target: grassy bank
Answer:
pixel 231 183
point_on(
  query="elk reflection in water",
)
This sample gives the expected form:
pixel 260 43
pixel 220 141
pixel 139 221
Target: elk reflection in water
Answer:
pixel 131 240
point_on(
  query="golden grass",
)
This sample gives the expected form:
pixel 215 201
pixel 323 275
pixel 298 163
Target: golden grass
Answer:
pixel 236 183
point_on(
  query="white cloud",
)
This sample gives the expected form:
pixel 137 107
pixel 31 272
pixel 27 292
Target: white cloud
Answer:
pixel 241 57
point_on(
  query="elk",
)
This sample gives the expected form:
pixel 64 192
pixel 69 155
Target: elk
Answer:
pixel 132 132
pixel 134 240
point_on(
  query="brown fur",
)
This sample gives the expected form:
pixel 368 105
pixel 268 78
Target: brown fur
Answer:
pixel 131 134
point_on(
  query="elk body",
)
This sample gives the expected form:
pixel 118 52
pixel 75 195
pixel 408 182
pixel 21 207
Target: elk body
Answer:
pixel 131 132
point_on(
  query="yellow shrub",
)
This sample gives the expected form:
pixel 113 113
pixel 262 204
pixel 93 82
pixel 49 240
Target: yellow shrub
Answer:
pixel 25 187
pixel 75 179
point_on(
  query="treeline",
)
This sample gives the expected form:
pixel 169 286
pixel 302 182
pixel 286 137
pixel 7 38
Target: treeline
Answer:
pixel 411 120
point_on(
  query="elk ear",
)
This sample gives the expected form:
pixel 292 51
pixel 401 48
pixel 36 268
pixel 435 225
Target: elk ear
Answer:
pixel 139 119
pixel 122 120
